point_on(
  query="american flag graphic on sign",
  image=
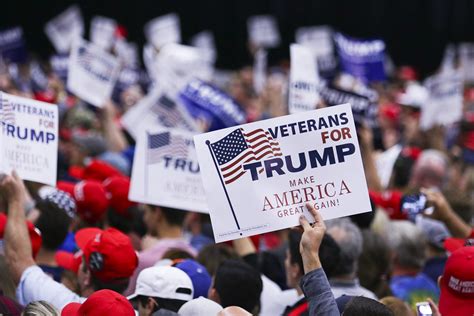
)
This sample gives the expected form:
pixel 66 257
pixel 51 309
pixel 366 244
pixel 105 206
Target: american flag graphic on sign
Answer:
pixel 239 148
pixel 7 114
pixel 164 144
pixel 169 114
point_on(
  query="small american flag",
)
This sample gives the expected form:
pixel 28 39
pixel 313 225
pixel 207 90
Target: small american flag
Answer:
pixel 164 144
pixel 238 148
pixel 7 115
pixel 169 114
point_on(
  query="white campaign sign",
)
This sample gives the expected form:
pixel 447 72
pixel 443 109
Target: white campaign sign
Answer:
pixel 263 31
pixel 163 30
pixel 103 32
pixel 205 41
pixel 166 171
pixel 176 65
pixel 65 28
pixel 445 101
pixel 157 109
pixel 92 73
pixel 304 80
pixel 259 176
pixel 260 70
pixel 319 40
pixel 29 138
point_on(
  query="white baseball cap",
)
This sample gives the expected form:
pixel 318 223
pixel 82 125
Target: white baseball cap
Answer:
pixel 164 282
pixel 199 306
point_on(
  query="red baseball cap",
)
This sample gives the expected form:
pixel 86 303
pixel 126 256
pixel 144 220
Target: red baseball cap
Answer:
pixel 108 253
pixel 117 189
pixel 99 170
pixel 91 199
pixel 35 234
pixel 100 303
pixel 457 283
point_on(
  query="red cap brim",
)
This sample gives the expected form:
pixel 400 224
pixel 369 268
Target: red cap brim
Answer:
pixel 84 235
pixel 453 244
pixel 68 260
pixel 71 309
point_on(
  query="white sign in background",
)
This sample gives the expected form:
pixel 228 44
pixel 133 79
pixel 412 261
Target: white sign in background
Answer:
pixel 92 73
pixel 103 32
pixel 150 113
pixel 319 40
pixel 445 101
pixel 65 28
pixel 163 30
pixel 304 80
pixel 29 138
pixel 259 176
pixel 263 31
pixel 166 171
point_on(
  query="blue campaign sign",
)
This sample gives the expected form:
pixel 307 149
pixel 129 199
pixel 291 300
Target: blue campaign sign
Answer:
pixel 12 45
pixel 216 108
pixel 364 59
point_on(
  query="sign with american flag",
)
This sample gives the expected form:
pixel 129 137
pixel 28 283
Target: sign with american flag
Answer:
pixel 28 138
pixel 166 171
pixel 238 148
pixel 259 177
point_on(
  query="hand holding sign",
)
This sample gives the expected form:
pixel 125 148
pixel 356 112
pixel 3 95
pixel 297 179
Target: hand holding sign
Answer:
pixel 311 239
pixel 260 175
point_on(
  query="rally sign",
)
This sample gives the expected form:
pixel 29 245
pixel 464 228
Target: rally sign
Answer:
pixel 163 30
pixel 12 45
pixel 176 65
pixel 65 28
pixel 259 176
pixel 60 65
pixel 212 106
pixel 166 171
pixel 304 80
pixel 157 109
pixel 29 138
pixel 92 73
pixel 319 40
pixel 103 32
pixel 364 104
pixel 364 59
pixel 205 41
pixel 445 101
pixel 263 31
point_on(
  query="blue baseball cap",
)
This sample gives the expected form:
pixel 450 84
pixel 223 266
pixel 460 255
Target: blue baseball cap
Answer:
pixel 198 274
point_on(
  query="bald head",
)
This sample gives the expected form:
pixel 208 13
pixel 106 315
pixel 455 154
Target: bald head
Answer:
pixel 233 311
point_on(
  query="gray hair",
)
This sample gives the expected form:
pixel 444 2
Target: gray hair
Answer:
pixel 40 308
pixel 409 243
pixel 349 239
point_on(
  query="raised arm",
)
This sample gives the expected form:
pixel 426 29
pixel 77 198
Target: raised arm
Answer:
pixel 112 133
pixel 17 242
pixel 314 283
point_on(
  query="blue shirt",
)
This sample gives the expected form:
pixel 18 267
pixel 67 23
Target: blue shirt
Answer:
pixel 414 289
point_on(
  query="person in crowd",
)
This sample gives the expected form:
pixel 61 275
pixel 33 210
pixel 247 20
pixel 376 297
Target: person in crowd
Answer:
pixel 212 256
pixel 236 284
pixel 161 287
pixel 374 265
pixel 165 224
pixel 456 283
pixel 408 282
pixel 199 306
pixel 330 255
pixel 40 308
pixel 108 258
pixel 349 239
pixel 103 303
pixel 315 284
pixel 397 306
pixel 56 213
